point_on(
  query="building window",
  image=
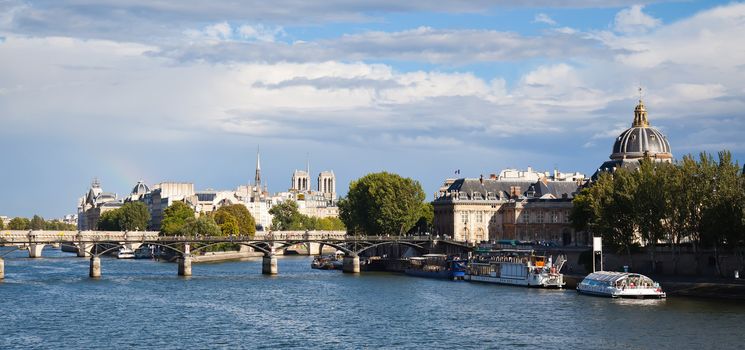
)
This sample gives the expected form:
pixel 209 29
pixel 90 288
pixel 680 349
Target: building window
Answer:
pixel 554 217
pixel 464 217
pixel 539 216
pixel 479 216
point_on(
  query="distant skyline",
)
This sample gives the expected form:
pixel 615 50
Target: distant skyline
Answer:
pixel 187 90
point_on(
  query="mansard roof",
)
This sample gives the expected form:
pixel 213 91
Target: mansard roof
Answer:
pixel 495 189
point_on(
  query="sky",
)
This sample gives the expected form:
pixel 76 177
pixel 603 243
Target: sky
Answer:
pixel 188 90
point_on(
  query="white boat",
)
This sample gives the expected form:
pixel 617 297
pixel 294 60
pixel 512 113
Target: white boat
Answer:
pixel 517 267
pixel 620 285
pixel 328 262
pixel 125 253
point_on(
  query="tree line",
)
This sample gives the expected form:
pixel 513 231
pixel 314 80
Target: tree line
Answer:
pixel 235 219
pixel 37 223
pixel 696 202
pixel 286 217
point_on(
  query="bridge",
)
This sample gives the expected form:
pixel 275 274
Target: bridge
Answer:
pixel 93 244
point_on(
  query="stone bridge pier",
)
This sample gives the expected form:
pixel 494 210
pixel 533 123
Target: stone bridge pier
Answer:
pixel 269 264
pixel 351 264
pixel 184 265
pixel 95 268
pixel 184 262
pixel 34 250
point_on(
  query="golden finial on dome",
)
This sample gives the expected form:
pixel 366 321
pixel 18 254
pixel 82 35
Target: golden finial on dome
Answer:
pixel 640 114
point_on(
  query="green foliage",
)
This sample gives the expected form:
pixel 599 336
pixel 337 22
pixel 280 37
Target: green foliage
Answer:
pixel 109 221
pixel 2 224
pixel 204 226
pixel 286 217
pixel 19 223
pixel 426 217
pixel 174 218
pixel 246 222
pixel 382 203
pixel 26 224
pixel 328 224
pixel 227 222
pixel 700 201
pixel 134 216
pixel 37 223
pixel 56 225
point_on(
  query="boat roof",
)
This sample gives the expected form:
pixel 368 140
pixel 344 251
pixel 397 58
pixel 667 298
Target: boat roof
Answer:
pixel 610 276
pixel 435 255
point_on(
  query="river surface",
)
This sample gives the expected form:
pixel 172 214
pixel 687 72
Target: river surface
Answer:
pixel 51 303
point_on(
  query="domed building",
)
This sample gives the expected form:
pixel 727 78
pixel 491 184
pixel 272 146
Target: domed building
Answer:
pixel 139 190
pixel 639 141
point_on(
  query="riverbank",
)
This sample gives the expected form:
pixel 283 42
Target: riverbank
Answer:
pixel 224 256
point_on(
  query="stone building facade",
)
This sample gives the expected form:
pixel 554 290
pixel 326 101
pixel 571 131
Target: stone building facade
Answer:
pixel 513 208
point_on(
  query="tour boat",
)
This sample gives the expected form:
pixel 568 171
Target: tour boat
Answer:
pixel 328 262
pixel 620 285
pixel 517 267
pixel 437 266
pixel 125 253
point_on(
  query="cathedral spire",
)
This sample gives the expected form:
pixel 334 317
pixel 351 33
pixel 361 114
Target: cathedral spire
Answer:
pixel 257 178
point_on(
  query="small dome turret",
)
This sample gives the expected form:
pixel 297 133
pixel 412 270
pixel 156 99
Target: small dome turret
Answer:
pixel 140 188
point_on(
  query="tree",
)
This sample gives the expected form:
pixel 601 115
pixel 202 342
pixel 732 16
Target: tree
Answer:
pixel 227 222
pixel 59 225
pixel 426 217
pixel 37 223
pixel 582 214
pixel 285 217
pixel 204 226
pixel 650 206
pixel 110 220
pixel 330 224
pixel 19 223
pixel 2 224
pixel 246 222
pixel 382 203
pixel 721 216
pixel 174 217
pixel 134 216
pixel 612 199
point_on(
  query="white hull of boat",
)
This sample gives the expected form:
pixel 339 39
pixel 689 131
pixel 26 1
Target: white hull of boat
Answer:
pixel 636 293
pixel 532 281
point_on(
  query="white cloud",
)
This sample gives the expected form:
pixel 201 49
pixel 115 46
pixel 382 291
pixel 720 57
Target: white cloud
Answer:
pixel 260 32
pixel 633 20
pixel 544 18
pixel 216 33
pixel 423 44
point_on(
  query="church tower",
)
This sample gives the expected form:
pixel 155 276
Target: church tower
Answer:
pixel 257 177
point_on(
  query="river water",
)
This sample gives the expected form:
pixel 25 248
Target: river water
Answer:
pixel 51 303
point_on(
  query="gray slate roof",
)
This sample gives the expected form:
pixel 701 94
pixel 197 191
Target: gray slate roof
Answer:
pixel 475 188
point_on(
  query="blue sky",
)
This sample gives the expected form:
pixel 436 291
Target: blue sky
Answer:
pixel 187 90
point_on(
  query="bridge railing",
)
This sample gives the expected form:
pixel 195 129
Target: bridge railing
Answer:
pixel 31 236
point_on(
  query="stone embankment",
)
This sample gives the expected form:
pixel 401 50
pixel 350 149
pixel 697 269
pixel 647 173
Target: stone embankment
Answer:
pixel 223 256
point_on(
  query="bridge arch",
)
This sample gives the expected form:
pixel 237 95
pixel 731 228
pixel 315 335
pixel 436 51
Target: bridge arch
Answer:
pixel 247 244
pixel 418 247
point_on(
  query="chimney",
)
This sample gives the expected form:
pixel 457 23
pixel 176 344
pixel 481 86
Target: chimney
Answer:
pixel 493 176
